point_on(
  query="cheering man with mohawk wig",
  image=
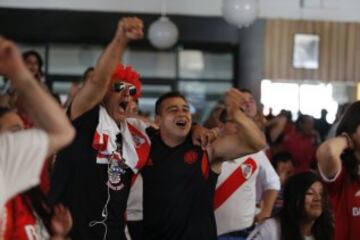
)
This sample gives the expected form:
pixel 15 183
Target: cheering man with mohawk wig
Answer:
pixel 92 176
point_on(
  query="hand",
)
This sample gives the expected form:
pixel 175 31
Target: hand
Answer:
pixel 234 98
pixel 202 136
pixel 129 28
pixel 261 216
pixel 349 141
pixel 61 221
pixel 11 62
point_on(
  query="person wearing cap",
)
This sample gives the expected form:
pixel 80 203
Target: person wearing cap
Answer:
pixel 92 177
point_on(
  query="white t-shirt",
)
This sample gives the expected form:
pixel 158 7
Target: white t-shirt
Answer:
pixel 134 209
pixel 238 197
pixel 235 194
pixel 267 178
pixel 269 230
pixel 22 155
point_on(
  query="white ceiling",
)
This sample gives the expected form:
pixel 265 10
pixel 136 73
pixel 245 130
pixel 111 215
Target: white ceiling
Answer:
pixel 336 10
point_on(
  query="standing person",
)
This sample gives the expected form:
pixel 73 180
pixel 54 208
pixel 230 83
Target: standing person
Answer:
pixel 284 166
pixel 321 125
pixel 92 176
pixel 22 153
pixel 306 213
pixel 179 178
pixel 338 162
pixel 236 191
pixel 302 143
pixel 28 216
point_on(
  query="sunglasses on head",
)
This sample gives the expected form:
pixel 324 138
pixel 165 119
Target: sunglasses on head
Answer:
pixel 119 86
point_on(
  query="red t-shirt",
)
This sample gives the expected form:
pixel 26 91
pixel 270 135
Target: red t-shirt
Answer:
pixel 19 221
pixel 302 148
pixel 345 201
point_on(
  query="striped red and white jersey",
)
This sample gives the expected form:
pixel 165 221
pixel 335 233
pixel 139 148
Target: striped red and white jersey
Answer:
pixel 235 195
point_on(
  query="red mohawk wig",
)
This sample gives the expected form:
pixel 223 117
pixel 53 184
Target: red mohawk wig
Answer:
pixel 128 75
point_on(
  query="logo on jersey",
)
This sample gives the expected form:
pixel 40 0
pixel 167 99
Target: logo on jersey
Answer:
pixel 356 211
pixel 115 170
pixel 190 157
pixel 31 233
pixel 246 170
pixel 138 140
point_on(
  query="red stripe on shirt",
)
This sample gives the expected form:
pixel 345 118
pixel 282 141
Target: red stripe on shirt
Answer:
pixel 232 183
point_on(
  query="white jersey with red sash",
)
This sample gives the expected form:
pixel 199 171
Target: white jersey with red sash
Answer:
pixel 235 194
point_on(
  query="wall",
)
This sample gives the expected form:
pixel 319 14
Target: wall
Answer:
pixel 336 10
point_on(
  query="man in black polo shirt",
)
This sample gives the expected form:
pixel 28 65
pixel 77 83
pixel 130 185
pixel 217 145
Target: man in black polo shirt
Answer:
pixel 179 179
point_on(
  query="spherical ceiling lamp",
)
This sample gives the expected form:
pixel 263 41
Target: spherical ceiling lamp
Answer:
pixel 163 33
pixel 241 13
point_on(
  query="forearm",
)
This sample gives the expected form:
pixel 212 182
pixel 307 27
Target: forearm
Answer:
pixel 249 131
pixel 106 64
pixel 328 155
pixel 43 109
pixel 269 198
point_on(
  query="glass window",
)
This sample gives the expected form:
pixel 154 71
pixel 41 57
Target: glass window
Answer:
pixel 150 93
pixel 72 59
pixel 203 95
pixel 152 64
pixel 307 98
pixel 195 64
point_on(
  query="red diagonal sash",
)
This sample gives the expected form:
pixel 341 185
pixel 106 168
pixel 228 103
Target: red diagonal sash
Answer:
pixel 233 182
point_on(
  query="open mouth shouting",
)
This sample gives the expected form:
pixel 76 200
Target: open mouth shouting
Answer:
pixel 123 105
pixel 181 123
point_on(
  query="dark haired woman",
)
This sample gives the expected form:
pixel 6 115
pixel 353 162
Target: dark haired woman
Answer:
pixel 305 214
pixel 338 161
pixel 34 63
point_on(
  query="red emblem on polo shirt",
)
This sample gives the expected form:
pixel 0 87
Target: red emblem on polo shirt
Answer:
pixel 190 157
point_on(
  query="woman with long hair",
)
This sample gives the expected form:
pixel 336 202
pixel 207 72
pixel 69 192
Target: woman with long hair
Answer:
pixel 338 162
pixel 305 215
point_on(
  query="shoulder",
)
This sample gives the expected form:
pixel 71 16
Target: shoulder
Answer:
pixel 91 115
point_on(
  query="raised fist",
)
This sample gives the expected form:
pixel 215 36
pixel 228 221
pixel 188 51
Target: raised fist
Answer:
pixel 234 98
pixel 129 28
pixel 11 62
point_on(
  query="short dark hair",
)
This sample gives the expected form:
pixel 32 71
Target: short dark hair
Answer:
pixel 173 94
pixel 283 157
pixel 34 53
pixel 245 90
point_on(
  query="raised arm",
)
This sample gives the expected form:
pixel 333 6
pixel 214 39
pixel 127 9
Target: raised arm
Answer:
pixel 245 140
pixel 44 110
pixel 328 155
pixel 95 88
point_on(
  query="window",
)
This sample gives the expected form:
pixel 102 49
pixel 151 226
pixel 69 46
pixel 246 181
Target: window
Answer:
pixel 304 97
pixel 201 75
